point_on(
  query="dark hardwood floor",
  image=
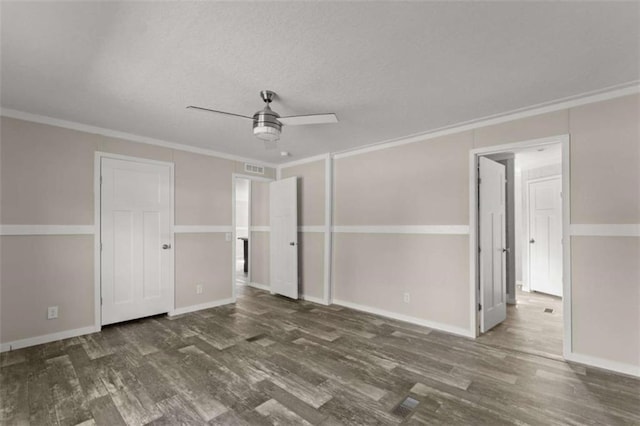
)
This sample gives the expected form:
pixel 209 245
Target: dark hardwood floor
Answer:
pixel 269 360
pixel 528 328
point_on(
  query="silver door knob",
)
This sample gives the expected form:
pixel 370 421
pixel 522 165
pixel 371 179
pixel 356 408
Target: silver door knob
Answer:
pixel 531 241
pixel 166 246
pixel 506 250
pixel 292 243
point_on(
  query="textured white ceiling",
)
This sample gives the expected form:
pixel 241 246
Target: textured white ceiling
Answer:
pixel 387 69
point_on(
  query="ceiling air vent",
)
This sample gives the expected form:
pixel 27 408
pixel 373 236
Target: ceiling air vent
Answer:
pixel 252 168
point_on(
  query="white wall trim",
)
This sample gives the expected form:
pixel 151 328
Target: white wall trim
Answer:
pixel 556 105
pixel 259 286
pixel 47 229
pixel 405 318
pixel 312 228
pixel 618 367
pixel 200 306
pixel 605 230
pixel 196 229
pixel 260 229
pixel 43 119
pixel 405 229
pixel 313 299
pixel 47 338
pixel 328 224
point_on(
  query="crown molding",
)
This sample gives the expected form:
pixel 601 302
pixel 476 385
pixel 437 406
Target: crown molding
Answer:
pixel 43 119
pixel 555 105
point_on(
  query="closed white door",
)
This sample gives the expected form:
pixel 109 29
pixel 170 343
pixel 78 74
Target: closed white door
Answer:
pixel 283 215
pixel 545 236
pixel 137 254
pixel 493 283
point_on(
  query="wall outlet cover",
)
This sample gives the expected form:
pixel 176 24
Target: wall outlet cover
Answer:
pixel 52 312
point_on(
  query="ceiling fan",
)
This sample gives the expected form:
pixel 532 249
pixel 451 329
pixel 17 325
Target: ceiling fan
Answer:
pixel 267 124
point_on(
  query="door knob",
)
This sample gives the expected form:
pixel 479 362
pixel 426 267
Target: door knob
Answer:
pixel 506 250
pixel 166 246
pixel 531 241
pixel 292 243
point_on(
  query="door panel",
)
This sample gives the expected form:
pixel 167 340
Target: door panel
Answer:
pixel 492 237
pixel 136 272
pixel 545 236
pixel 283 214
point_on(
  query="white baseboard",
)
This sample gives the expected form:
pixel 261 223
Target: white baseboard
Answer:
pixel 592 361
pixel 259 286
pixel 47 338
pixel 199 307
pixel 317 300
pixel 406 318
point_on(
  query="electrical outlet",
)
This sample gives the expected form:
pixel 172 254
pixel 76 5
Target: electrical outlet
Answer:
pixel 52 312
pixel 199 289
pixel 227 236
pixel 407 297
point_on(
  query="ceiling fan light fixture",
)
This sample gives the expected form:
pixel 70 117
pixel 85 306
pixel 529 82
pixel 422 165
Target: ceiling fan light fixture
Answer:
pixel 266 125
pixel 266 133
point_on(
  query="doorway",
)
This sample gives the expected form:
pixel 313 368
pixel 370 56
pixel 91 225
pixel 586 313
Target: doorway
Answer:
pixel 136 238
pixel 244 211
pixel 242 234
pixel 520 246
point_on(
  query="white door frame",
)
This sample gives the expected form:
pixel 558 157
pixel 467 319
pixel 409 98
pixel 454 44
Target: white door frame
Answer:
pixel 97 211
pixel 564 141
pixel 527 250
pixel 234 177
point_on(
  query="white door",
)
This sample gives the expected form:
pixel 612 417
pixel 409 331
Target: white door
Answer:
pixel 136 256
pixel 493 284
pixel 545 236
pixel 283 215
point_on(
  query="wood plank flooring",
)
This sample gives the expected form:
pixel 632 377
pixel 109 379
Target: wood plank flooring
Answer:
pixel 528 327
pixel 268 360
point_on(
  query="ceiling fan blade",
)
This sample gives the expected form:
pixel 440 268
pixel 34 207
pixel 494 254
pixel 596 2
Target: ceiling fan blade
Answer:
pixel 218 112
pixel 300 120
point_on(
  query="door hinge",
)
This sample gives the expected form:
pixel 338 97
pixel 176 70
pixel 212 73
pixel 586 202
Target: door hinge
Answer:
pixel 479 181
pixel 100 245
pixel 479 250
pixel 100 179
pixel 101 301
pixel 479 307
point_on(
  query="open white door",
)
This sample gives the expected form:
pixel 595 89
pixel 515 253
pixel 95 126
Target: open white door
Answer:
pixel 545 236
pixel 493 284
pixel 283 214
pixel 136 256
